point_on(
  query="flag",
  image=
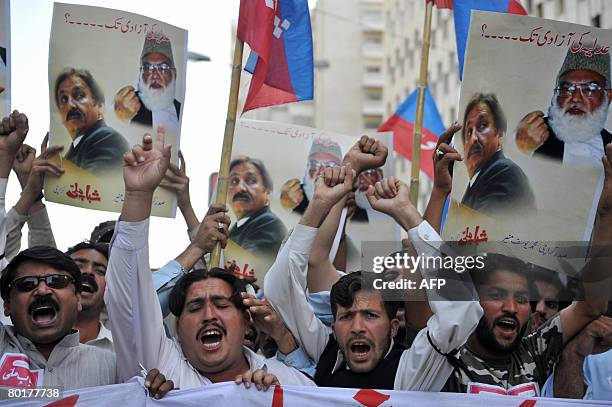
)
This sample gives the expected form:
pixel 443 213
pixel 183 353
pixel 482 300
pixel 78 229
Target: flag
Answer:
pixel 402 125
pixel 281 62
pixel 462 11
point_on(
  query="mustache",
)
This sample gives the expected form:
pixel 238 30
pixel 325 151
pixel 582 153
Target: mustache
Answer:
pixel 88 283
pixel 43 301
pixel 74 113
pixel 208 326
pixel 507 315
pixel 361 337
pixel 475 149
pixel 242 196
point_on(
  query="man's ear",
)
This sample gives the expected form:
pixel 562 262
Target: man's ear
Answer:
pixel 394 327
pixel 333 327
pixel 7 308
pixel 79 305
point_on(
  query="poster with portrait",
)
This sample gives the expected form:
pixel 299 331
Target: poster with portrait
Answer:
pixel 274 166
pixel 5 57
pixel 113 76
pixel 534 102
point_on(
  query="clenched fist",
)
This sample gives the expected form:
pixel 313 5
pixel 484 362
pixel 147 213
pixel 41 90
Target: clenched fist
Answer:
pixel 531 132
pixel 127 103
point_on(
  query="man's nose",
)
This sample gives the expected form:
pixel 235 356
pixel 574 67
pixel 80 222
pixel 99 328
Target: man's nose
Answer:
pixel 42 289
pixel 208 312
pixel 358 324
pixel 577 96
pixel 510 305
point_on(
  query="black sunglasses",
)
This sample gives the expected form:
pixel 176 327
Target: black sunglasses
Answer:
pixel 55 281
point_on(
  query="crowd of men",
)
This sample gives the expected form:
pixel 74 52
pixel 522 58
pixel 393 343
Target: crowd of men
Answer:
pixel 98 314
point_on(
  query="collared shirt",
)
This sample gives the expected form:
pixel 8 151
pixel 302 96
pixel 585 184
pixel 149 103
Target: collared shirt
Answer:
pixel 474 178
pixel 585 153
pixel 71 364
pixel 166 117
pixel 104 340
pixel 137 321
pixel 421 367
pixel 241 221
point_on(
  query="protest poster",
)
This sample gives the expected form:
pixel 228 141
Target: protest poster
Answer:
pixel 536 184
pixel 113 76
pixel 5 57
pixel 292 156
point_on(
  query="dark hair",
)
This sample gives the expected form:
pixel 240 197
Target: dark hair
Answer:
pixel 344 290
pixel 86 76
pixel 495 262
pixel 265 176
pixel 489 99
pixel 179 292
pixel 103 233
pixel 39 254
pixel 101 248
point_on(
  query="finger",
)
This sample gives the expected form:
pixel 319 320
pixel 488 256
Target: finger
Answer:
pixel 21 125
pixel 139 153
pixel 269 380
pixel 45 143
pixel 247 379
pixel 450 157
pixel 607 159
pixel 386 187
pixel 379 189
pixel 158 380
pixel 341 175
pixel 129 159
pixel 362 142
pixel 258 378
pixel 48 167
pixel 534 116
pixel 164 389
pixel 151 374
pixel 51 151
pixel 176 187
pixel 335 176
pixel 260 310
pixel 12 120
pixel 174 168
pixel 368 145
pixel 183 163
pixel 176 179
pixel 6 128
pixel 349 176
pixel 147 142
pixel 215 208
pixel 448 134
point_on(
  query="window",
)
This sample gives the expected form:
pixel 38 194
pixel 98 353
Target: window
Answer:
pixel 560 7
pixel 540 10
pixel 596 21
pixel 373 69
pixel 530 6
pixel 446 84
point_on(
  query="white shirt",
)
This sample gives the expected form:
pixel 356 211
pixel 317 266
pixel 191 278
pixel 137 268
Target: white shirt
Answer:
pixel 584 153
pixel 104 340
pixel 420 368
pixel 166 117
pixel 137 323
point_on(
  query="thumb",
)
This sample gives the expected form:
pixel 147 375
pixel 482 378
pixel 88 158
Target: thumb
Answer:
pixel 370 195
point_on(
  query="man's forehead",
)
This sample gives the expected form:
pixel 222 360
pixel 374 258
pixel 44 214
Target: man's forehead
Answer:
pixel 582 76
pixel 156 57
pixel 90 255
pixel 363 300
pixel 245 169
pixel 33 268
pixel 209 288
pixel 507 280
pixel 323 156
pixel 72 82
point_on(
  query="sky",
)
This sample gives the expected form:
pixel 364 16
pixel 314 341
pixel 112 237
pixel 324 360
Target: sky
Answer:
pixel 209 24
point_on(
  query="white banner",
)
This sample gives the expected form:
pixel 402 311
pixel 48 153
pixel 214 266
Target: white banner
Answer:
pixel 133 394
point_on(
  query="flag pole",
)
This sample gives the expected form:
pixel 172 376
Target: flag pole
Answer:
pixel 228 139
pixel 418 125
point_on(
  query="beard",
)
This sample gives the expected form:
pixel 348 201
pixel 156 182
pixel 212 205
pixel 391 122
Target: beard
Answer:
pixel 308 184
pixel 484 333
pixel 156 99
pixel 570 128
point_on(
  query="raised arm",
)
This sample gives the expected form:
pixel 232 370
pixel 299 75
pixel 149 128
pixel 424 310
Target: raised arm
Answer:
pixel 285 282
pixel 443 177
pixel 13 130
pixel 176 179
pixel 422 367
pixel 134 313
pixel 366 154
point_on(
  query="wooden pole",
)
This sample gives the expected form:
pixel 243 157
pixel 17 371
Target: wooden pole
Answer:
pixel 228 140
pixel 418 125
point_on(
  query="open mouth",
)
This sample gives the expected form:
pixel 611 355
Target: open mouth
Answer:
pixel 44 314
pixel 74 114
pixel 360 350
pixel 211 338
pixel 575 111
pixel 507 325
pixel 88 284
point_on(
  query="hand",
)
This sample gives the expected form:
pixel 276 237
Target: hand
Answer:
pixel 595 338
pixel 13 131
pixel 261 378
pixel 392 196
pixel 264 317
pixel 145 166
pixel 333 185
pixel 127 103
pixel 366 154
pixel 176 179
pixel 209 232
pixel 291 194
pixel 157 384
pixel 531 132
pixel 443 177
pixel 41 166
pixel 22 164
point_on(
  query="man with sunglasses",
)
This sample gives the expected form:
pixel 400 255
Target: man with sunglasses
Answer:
pixel 153 103
pixel 573 132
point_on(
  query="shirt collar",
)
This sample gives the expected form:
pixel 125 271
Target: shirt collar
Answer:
pixel 340 358
pixel 104 333
pixel 71 339
pixel 241 222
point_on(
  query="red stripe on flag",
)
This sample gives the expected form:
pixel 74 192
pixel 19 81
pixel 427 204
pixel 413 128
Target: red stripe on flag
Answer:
pixel 403 133
pixel 442 3
pixel 66 402
pixel 277 399
pixel 516 8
